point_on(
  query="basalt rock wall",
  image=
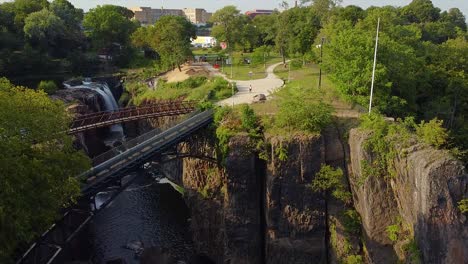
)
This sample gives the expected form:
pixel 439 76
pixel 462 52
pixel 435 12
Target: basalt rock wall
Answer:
pixel 423 193
pixel 295 215
pixel 252 211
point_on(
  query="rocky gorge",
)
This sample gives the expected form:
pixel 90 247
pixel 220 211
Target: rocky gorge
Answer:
pixel 254 211
pixel 245 209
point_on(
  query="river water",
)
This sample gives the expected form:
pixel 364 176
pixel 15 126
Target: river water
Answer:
pixel 146 215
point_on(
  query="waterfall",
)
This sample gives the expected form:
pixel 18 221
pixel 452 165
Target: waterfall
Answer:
pixel 109 101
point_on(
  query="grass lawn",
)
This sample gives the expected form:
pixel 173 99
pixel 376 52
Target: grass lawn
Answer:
pixel 241 71
pixel 307 77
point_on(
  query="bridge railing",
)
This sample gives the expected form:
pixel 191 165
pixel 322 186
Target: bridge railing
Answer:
pixel 138 140
pixel 163 108
pixel 116 166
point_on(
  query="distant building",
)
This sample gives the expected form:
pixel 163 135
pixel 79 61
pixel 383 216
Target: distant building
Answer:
pixel 197 15
pixel 148 15
pixel 204 42
pixel 257 12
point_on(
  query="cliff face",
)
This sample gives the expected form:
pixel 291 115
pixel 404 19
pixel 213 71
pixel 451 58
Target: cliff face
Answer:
pixel 224 203
pixel 251 211
pixel 295 215
pixel 423 195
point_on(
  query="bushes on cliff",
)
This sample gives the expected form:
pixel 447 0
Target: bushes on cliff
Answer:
pixel 331 180
pixel 387 140
pixel 301 109
pixel 229 121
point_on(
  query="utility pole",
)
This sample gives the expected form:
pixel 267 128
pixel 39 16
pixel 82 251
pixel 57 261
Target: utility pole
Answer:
pixel 232 61
pixel 373 68
pixel 320 70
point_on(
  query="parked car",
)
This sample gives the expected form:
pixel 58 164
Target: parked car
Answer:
pixel 259 98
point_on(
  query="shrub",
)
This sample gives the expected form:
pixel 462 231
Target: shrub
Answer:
pixel 463 205
pixel 432 133
pixel 48 86
pixel 354 259
pixel 393 231
pixel 352 221
pixel 330 179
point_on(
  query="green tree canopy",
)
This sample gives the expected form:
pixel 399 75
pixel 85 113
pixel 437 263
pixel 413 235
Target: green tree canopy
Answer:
pixel 38 164
pixel 228 25
pixel 44 27
pixel 170 37
pixel 108 24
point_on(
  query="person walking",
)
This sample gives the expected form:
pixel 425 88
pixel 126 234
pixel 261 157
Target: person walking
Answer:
pixel 250 88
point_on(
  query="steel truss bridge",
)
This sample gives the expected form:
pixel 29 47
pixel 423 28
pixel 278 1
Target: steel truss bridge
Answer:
pixel 55 244
pixel 154 110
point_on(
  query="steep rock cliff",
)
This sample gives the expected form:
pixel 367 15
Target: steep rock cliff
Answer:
pixel 423 194
pixel 295 215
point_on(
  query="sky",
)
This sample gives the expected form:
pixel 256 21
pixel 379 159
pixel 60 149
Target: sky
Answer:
pixel 244 5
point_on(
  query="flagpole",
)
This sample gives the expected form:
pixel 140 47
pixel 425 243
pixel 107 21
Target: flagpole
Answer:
pixel 373 68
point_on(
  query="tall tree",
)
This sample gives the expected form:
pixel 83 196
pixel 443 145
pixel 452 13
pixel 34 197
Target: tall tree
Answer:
pixel 170 37
pixel 228 24
pixel 267 28
pixel 44 27
pixel 38 165
pixel 108 24
pixel 421 11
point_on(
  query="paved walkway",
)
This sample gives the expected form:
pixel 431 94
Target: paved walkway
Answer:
pixel 260 86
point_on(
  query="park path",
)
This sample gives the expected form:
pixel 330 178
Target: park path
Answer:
pixel 264 86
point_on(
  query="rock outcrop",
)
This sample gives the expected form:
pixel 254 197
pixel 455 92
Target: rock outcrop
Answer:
pixel 295 215
pixel 423 194
pixel 250 211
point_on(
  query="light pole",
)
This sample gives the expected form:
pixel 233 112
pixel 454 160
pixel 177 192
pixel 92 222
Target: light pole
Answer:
pixel 232 61
pixel 373 68
pixel 320 71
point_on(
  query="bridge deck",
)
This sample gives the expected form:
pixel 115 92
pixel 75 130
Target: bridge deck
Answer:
pixel 102 119
pixel 116 166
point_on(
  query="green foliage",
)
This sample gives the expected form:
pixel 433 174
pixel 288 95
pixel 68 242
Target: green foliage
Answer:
pixel 413 252
pixel 330 179
pixel 248 118
pixel 228 25
pixel 354 259
pixel 48 86
pixel 393 232
pixel 108 24
pixel 170 37
pixel 194 88
pixel 463 205
pixel 230 121
pixel 44 27
pixel 299 110
pixel 432 133
pixel 281 153
pixel 352 222
pixel 38 164
pixel 388 140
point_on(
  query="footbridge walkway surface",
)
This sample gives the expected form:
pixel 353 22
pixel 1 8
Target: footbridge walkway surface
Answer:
pixel 55 245
pixel 154 110
pixel 144 148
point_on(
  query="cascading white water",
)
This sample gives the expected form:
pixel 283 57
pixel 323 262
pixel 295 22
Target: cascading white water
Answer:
pixel 109 102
